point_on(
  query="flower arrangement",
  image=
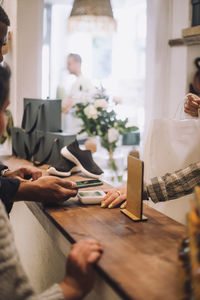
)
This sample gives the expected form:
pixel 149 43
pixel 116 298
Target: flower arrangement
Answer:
pixel 99 119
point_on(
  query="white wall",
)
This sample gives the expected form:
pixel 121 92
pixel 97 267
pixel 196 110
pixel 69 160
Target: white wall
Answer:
pixel 24 57
pixel 169 69
pixel 179 56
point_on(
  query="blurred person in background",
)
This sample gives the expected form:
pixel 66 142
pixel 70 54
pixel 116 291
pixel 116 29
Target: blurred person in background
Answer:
pixel 81 91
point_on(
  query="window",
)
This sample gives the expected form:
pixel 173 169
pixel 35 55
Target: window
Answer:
pixel 117 63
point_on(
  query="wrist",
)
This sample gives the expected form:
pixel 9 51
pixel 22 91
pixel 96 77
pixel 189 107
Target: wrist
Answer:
pixel 70 291
pixel 25 191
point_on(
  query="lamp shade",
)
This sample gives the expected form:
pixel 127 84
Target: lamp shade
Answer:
pixel 93 16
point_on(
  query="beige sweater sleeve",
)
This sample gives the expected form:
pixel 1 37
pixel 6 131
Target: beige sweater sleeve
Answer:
pixel 14 284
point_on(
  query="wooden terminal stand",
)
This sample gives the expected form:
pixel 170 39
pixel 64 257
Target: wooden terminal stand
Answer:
pixel 134 207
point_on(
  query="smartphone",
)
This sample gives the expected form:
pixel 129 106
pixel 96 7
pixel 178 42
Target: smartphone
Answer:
pixel 88 183
pixel 91 197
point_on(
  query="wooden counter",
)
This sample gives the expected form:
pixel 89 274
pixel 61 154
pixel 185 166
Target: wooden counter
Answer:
pixel 139 260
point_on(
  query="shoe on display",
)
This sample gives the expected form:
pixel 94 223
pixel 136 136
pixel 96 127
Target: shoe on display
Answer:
pixel 83 159
pixel 63 168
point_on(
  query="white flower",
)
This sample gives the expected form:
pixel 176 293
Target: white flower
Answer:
pixel 91 112
pixel 102 103
pixel 117 100
pixel 113 135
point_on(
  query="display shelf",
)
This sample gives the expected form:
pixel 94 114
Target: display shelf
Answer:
pixel 186 41
pixel 190 36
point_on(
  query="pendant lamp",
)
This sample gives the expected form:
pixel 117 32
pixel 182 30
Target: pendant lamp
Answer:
pixel 94 16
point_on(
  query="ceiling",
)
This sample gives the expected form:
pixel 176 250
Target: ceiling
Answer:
pixel 115 3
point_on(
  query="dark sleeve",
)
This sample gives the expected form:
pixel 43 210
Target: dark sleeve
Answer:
pixel 8 189
pixel 2 167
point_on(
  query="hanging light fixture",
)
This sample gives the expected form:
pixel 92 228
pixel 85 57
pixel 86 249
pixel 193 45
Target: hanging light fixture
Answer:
pixel 94 16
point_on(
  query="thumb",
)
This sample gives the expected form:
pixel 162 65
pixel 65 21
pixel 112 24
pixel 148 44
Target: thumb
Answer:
pixel 66 193
pixel 94 257
pixel 67 183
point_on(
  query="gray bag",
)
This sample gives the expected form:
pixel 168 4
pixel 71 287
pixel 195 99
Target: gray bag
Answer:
pixel 22 143
pixel 42 115
pixel 48 146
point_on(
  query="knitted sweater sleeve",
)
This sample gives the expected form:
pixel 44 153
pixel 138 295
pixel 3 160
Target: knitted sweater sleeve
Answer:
pixel 14 282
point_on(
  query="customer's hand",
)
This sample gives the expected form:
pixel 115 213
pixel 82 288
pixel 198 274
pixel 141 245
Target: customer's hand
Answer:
pixel 47 189
pixel 114 197
pixel 192 104
pixel 22 173
pixel 80 275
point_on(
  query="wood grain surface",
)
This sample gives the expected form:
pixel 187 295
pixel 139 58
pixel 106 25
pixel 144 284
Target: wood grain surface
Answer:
pixel 139 260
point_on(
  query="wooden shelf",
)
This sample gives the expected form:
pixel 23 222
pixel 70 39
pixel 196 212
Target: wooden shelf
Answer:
pixel 190 36
pixel 189 41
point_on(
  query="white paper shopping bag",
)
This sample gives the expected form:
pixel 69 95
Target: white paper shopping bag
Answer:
pixel 171 145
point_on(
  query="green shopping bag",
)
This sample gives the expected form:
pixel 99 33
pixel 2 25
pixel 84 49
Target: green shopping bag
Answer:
pixel 42 115
pixel 22 143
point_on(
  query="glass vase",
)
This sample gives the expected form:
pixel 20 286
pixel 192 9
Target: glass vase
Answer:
pixel 114 167
pixel 112 163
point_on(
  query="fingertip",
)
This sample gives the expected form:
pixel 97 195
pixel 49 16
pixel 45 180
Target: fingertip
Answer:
pixel 94 257
pixel 123 205
pixel 73 184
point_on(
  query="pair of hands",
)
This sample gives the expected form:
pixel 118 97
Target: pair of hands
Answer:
pixel 46 189
pixel 192 105
pixel 79 279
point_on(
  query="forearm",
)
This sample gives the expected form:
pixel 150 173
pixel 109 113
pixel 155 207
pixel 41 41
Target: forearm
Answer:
pixel 174 185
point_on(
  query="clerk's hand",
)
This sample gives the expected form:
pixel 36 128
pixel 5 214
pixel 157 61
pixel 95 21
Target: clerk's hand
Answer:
pixel 24 172
pixel 80 274
pixel 114 197
pixel 192 105
pixel 46 189
pixel 67 105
